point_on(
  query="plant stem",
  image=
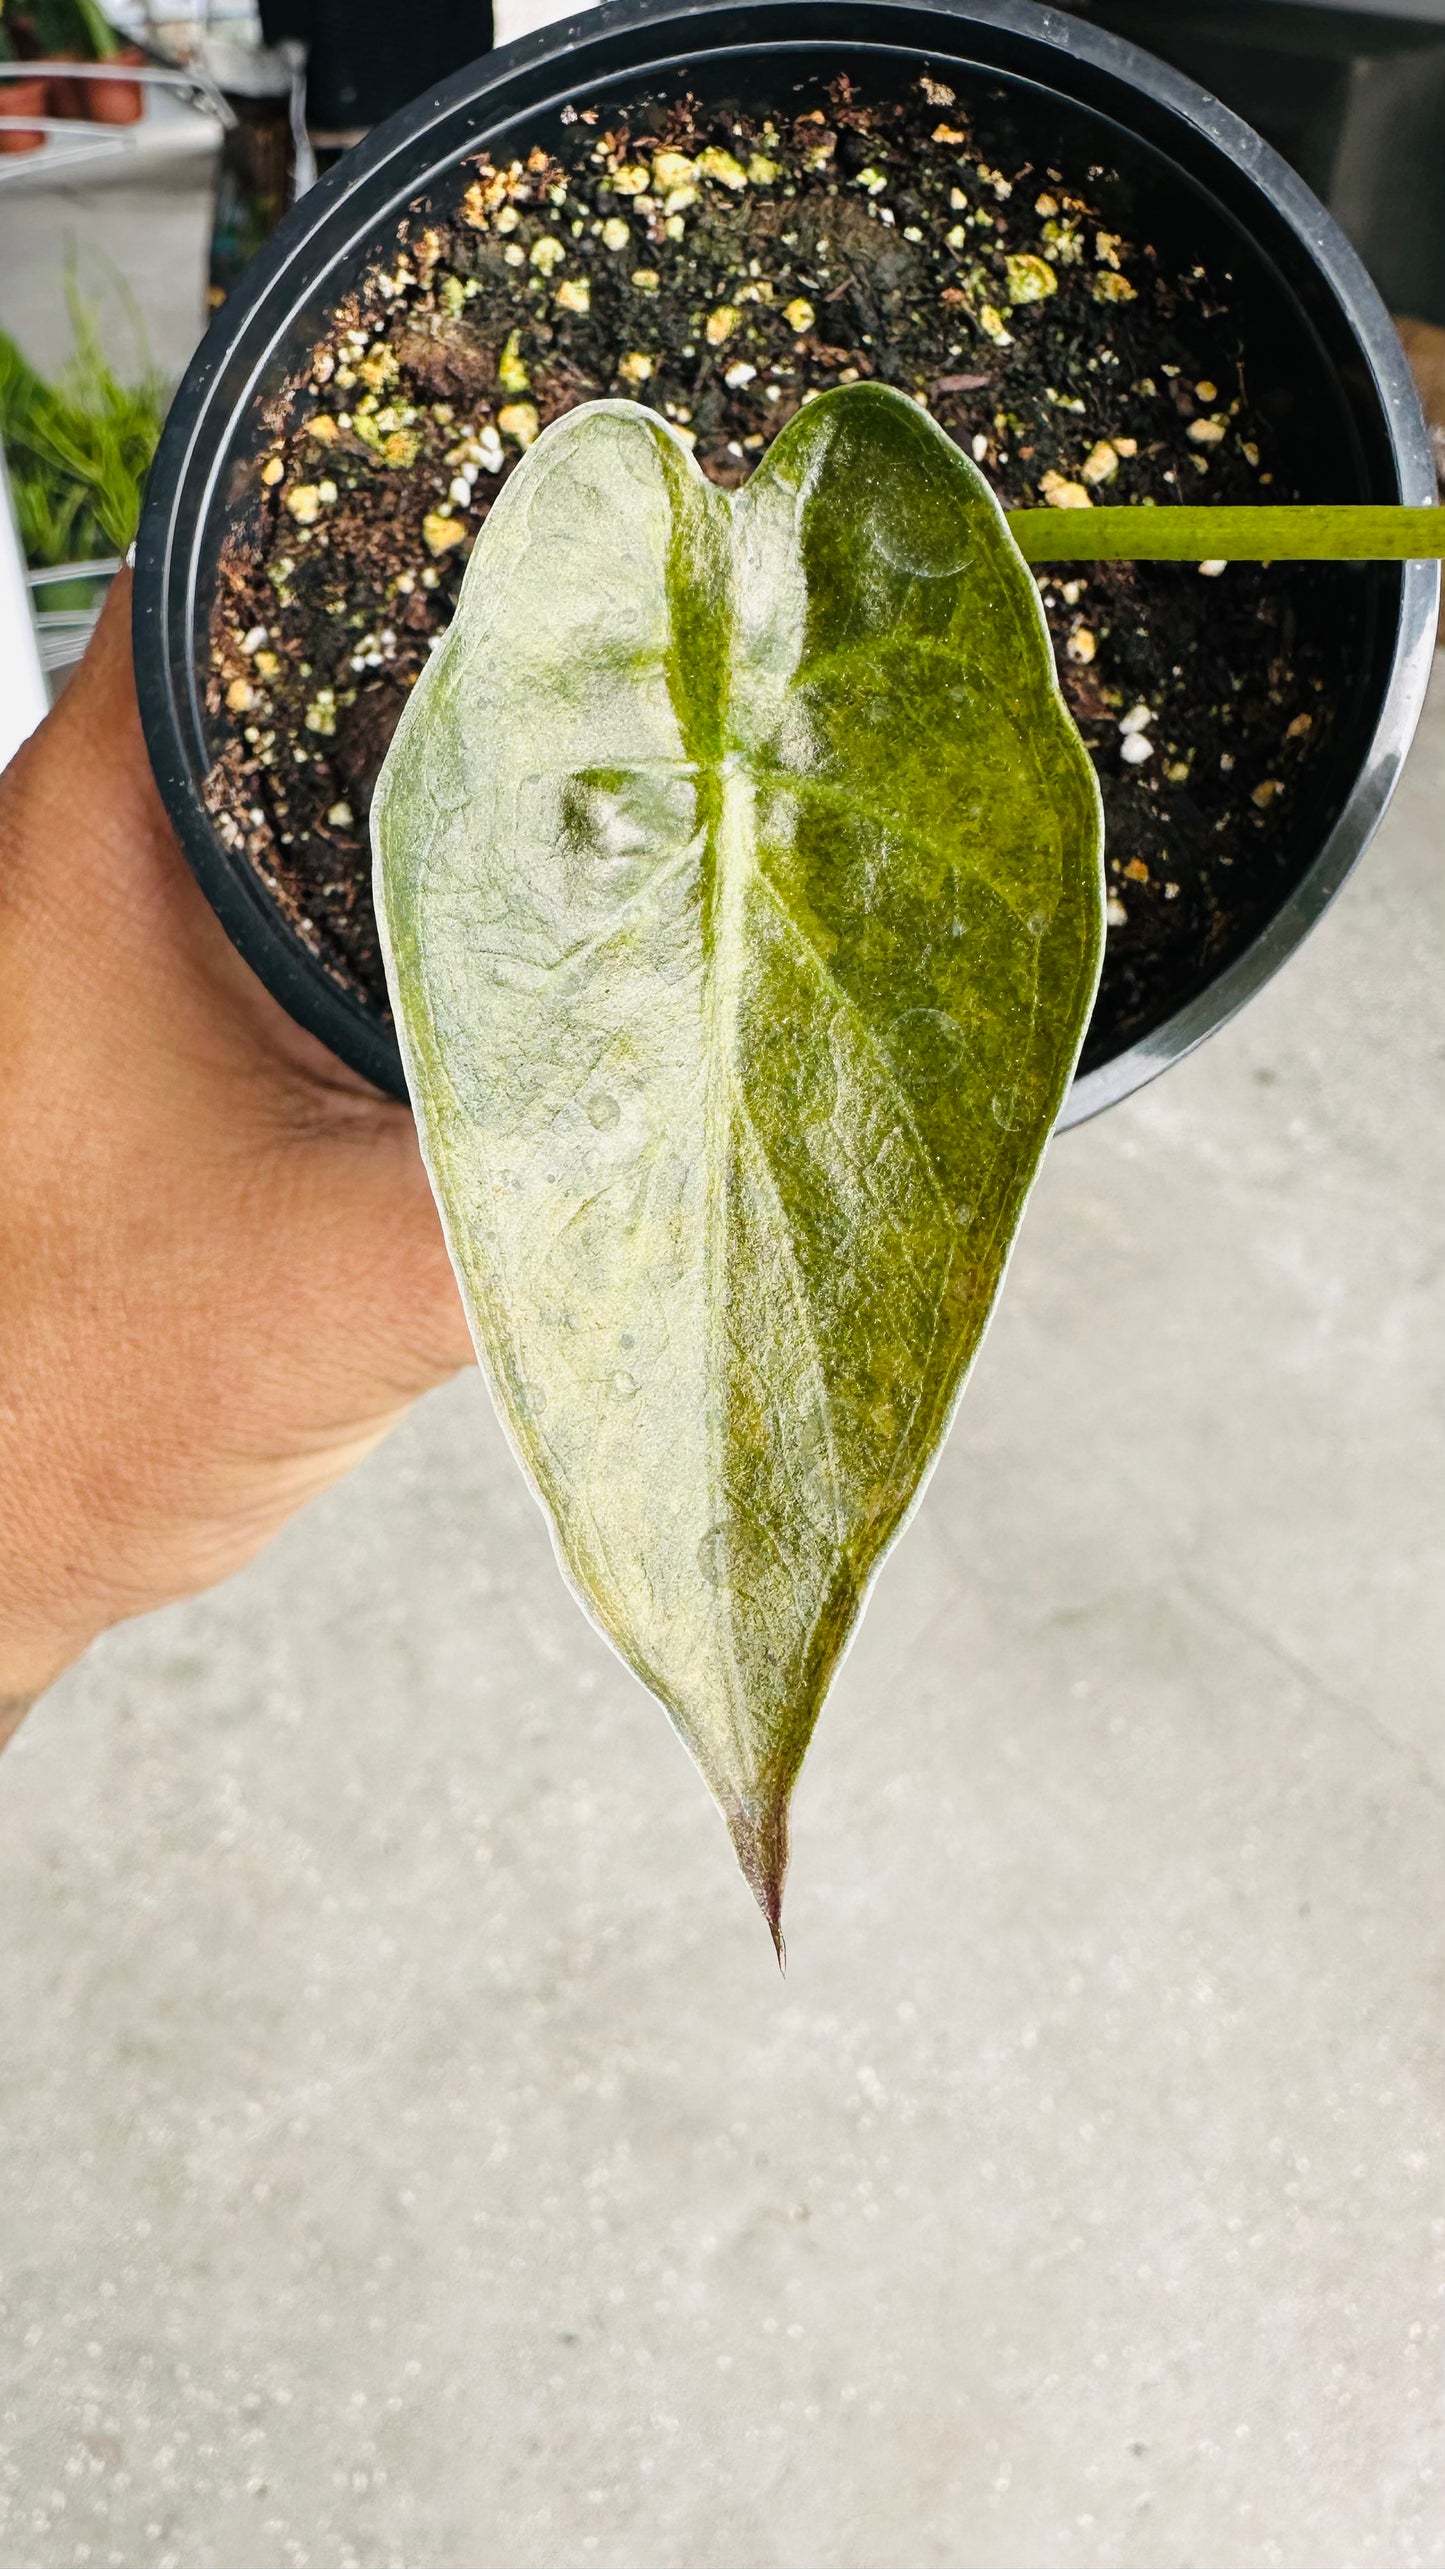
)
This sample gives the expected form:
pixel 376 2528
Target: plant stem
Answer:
pixel 1335 534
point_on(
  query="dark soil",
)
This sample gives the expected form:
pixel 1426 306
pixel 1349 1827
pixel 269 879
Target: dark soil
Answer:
pixel 762 262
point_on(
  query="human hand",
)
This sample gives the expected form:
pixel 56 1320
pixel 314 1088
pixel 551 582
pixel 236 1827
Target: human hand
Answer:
pixel 222 1276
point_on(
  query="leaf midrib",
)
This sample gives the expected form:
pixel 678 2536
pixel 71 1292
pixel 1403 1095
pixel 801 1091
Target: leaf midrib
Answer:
pixel 727 780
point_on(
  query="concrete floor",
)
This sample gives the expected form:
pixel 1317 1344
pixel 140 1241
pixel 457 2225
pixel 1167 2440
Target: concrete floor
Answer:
pixel 411 2155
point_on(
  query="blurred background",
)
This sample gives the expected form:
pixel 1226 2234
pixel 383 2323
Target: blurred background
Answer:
pixel 411 2158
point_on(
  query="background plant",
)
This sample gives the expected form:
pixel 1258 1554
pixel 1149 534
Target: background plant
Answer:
pixel 66 30
pixel 79 448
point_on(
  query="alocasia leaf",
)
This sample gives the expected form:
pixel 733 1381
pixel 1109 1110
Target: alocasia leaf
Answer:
pixel 739 871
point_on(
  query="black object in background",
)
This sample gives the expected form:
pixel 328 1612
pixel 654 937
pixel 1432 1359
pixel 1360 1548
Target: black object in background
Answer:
pixel 1353 97
pixel 256 171
pixel 366 58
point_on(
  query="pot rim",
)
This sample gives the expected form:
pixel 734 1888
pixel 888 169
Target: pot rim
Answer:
pixel 168 566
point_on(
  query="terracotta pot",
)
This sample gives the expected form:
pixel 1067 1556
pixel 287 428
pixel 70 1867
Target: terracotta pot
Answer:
pixel 67 97
pixel 115 102
pixel 22 98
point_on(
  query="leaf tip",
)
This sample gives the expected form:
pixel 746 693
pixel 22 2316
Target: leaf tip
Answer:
pixel 758 1827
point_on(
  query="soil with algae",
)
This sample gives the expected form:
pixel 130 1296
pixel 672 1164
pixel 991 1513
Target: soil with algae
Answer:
pixel 722 270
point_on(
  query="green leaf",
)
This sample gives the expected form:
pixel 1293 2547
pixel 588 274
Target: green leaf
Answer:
pixel 78 450
pixel 740 874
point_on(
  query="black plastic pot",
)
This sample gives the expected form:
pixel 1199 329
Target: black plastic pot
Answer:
pixel 1344 404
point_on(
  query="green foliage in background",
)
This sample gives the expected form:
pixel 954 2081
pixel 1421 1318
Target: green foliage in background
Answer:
pixel 78 449
pixel 68 30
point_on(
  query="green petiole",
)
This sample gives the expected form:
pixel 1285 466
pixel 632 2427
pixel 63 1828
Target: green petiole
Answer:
pixel 1301 534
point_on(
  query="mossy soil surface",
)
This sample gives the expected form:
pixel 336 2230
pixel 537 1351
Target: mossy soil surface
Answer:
pixel 723 268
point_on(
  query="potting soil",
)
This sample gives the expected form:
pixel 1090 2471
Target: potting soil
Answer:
pixel 721 269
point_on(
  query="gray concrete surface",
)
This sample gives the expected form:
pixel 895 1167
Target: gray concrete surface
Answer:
pixel 410 2153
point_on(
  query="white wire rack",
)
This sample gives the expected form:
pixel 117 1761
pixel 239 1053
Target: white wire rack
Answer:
pixel 73 141
pixel 23 691
pixel 40 642
pixel 63 632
